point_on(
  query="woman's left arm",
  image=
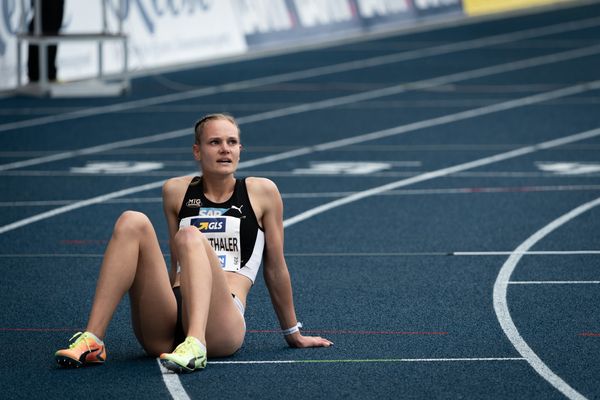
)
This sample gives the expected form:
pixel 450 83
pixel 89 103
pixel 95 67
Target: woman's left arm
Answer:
pixel 276 274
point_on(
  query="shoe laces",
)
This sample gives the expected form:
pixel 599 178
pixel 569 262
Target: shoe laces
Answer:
pixel 77 338
pixel 188 346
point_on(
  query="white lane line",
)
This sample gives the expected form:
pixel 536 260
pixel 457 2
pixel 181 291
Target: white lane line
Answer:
pixel 440 253
pixel 380 254
pixel 313 72
pixel 363 138
pixel 367 360
pixel 553 282
pixel 337 101
pixel 173 383
pixel 526 253
pixel 501 302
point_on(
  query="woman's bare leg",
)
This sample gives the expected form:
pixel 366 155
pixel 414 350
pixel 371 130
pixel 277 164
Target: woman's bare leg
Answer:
pixel 209 313
pixel 133 262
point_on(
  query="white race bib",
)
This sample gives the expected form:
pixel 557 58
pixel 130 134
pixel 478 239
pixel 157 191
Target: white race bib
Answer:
pixel 223 233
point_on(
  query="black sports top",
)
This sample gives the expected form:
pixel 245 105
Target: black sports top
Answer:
pixel 231 227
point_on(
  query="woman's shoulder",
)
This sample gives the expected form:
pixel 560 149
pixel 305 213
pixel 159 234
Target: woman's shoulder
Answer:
pixel 261 186
pixel 265 198
pixel 176 187
pixel 177 182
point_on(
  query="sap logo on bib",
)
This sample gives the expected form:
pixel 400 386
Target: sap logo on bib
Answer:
pixel 209 224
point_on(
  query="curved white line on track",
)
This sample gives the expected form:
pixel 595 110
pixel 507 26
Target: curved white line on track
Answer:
pixel 312 72
pixel 501 303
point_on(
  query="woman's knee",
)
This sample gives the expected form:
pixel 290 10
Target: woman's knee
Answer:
pixel 132 222
pixel 189 238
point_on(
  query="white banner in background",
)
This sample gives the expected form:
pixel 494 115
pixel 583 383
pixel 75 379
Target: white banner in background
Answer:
pixel 315 12
pixel 170 32
pixel 161 33
pixel 264 16
pixel 375 8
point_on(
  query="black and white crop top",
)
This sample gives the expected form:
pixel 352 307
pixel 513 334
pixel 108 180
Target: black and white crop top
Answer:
pixel 231 227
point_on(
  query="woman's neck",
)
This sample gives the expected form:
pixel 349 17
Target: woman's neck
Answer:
pixel 218 189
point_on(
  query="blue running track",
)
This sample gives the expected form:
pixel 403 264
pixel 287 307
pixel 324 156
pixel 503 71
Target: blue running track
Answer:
pixel 442 216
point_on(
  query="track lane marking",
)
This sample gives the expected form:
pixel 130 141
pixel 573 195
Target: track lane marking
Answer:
pixel 553 282
pixel 172 382
pixel 380 254
pixel 526 253
pixel 353 332
pixel 368 360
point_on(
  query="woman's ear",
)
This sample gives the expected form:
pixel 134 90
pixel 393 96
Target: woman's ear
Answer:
pixel 196 151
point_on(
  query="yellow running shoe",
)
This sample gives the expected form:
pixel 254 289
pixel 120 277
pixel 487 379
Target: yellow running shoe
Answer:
pixel 187 357
pixel 86 349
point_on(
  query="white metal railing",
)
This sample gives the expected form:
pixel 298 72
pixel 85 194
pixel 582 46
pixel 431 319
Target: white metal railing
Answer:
pixel 43 86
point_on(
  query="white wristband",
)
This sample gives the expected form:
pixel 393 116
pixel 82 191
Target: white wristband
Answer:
pixel 292 330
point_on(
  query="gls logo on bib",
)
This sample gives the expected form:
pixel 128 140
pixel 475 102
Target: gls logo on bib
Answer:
pixel 223 234
pixel 209 225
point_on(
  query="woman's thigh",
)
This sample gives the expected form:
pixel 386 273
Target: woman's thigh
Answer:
pixel 224 315
pixel 201 273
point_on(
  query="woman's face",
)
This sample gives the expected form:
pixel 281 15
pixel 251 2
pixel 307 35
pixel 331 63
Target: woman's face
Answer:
pixel 219 149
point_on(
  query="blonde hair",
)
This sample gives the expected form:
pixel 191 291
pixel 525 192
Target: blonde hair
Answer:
pixel 201 123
